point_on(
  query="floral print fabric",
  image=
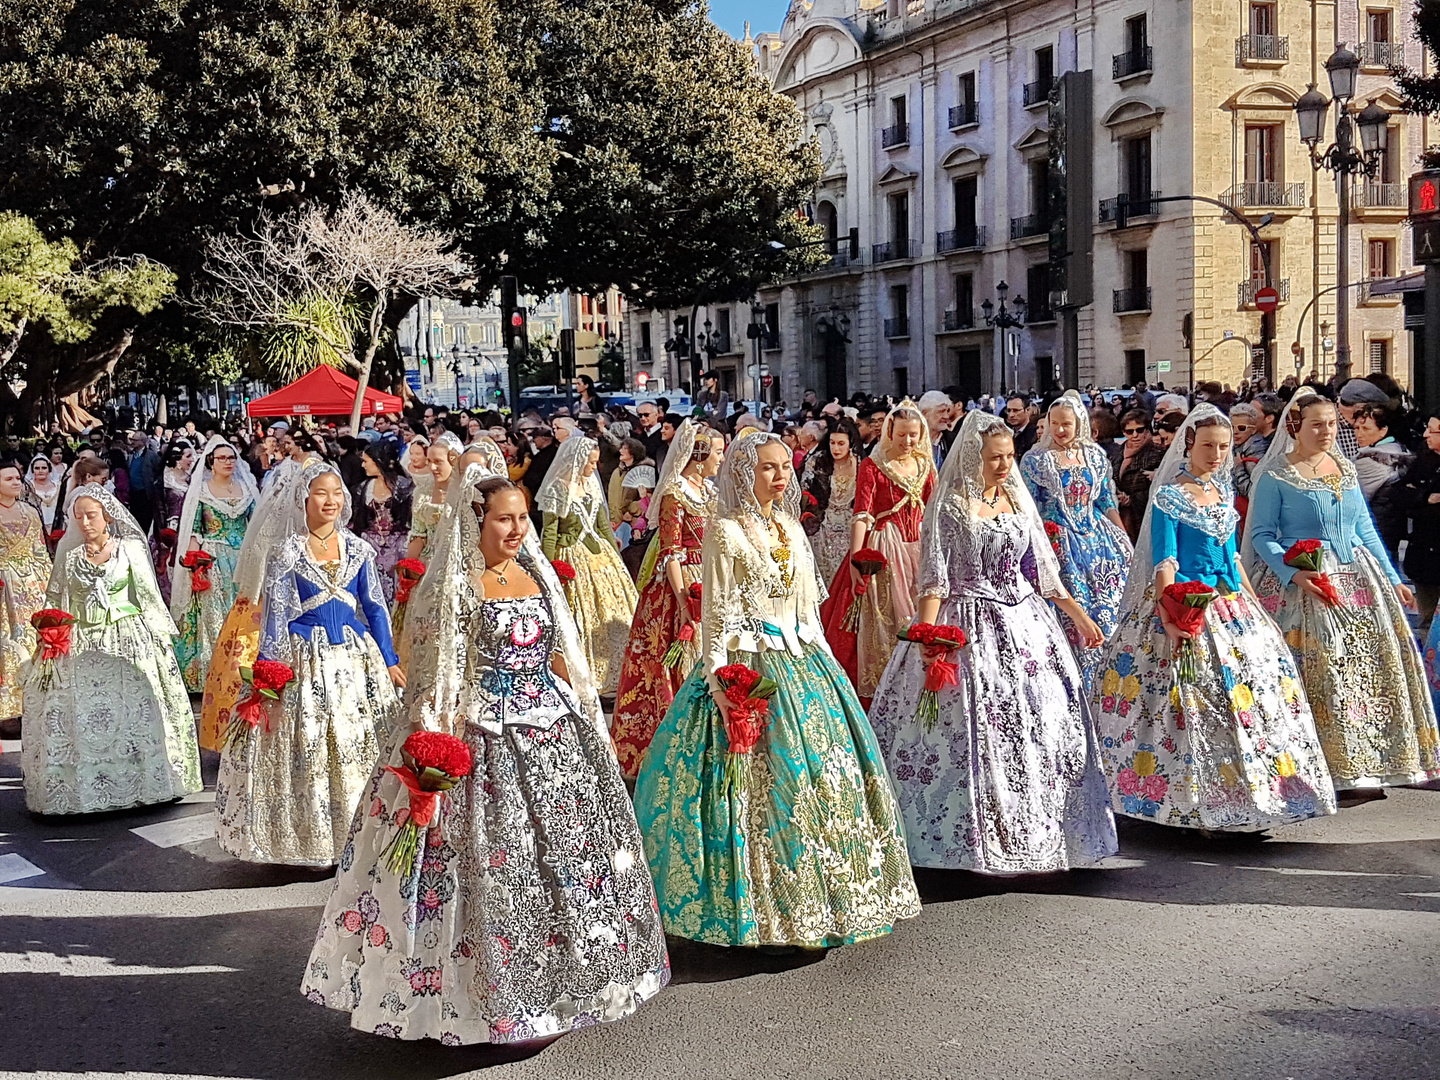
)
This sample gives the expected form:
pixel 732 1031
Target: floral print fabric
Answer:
pixel 25 570
pixel 529 910
pixel 219 535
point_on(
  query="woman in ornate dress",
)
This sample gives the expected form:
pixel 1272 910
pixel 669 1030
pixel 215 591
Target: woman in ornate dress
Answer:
pixel 808 851
pixel 213 519
pixel 174 486
pixel 1069 476
pixel 1363 674
pixel 892 486
pixel 107 724
pixel 24 574
pixel 1233 748
pixel 41 479
pixel 685 496
pixel 427 507
pixel 287 789
pixel 529 910
pixel 1008 778
pixel 577 531
pixel 382 510
pixel 829 480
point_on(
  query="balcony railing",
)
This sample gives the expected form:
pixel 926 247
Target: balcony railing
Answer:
pixel 964 114
pixel 895 135
pixel 971 236
pixel 1132 299
pixel 1029 225
pixel 1040 311
pixel 1261 48
pixel 1266 193
pixel 1379 196
pixel 895 250
pixel 1135 62
pixel 644 355
pixel 1144 205
pixel 1246 290
pixel 770 340
pixel 960 319
pixel 898 327
pixel 1038 92
pixel 1386 54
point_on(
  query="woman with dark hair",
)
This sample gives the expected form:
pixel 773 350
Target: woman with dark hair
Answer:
pixel 828 496
pixel 382 510
pixel 626 497
pixel 1380 462
pixel 1140 458
pixel 119 474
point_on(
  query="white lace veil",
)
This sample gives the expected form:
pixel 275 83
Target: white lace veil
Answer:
pixel 960 482
pixel 198 492
pixel 1142 565
pixel 906 410
pixel 736 483
pixel 676 459
pixel 566 481
pixel 30 472
pixel 128 534
pixel 1277 457
pixel 438 696
pixel 272 521
pixel 1072 401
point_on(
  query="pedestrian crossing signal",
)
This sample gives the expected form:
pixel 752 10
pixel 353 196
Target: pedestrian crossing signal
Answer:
pixel 1425 194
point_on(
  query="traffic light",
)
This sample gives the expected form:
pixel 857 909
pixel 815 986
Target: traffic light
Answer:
pixel 515 328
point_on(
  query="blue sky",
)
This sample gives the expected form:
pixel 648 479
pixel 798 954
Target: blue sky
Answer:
pixel 763 15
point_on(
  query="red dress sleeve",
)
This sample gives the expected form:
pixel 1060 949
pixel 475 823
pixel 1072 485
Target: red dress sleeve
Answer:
pixel 867 479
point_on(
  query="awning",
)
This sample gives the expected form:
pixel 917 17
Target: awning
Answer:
pixel 322 392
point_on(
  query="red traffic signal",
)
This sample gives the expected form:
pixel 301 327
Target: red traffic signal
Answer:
pixel 517 319
pixel 1425 194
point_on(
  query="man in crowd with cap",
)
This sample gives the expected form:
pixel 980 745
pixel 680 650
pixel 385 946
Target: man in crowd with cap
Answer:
pixel 1353 395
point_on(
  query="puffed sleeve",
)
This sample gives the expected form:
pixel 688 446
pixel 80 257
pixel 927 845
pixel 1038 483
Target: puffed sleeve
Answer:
pixel 1164 537
pixel 1365 532
pixel 1267 498
pixel 668 537
pixel 934 574
pixel 1030 473
pixel 866 479
pixel 372 603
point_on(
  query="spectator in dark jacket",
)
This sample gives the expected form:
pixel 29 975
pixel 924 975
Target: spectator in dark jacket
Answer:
pixel 1417 493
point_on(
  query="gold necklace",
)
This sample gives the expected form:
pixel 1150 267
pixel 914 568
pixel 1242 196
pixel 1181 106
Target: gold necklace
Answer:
pixel 499 573
pixel 780 555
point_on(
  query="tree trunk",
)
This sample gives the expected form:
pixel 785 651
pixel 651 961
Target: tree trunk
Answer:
pixel 377 318
pixel 11 341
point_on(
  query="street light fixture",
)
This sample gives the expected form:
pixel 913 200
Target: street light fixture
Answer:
pixel 1002 320
pixel 1343 160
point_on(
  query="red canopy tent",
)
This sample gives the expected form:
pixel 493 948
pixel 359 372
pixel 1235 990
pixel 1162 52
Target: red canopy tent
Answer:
pixel 322 392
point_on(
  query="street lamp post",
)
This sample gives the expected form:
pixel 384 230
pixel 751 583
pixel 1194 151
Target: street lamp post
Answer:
pixel 1344 160
pixel 1003 320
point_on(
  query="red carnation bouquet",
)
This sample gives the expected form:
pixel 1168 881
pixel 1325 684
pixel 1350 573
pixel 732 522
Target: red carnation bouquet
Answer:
pixel 1310 555
pixel 1185 602
pixel 868 562
pixel 941 672
pixel 56 535
pixel 434 763
pixel 267 680
pixel 675 655
pixel 1052 531
pixel 167 537
pixel 563 570
pixel 748 693
pixel 407 573
pixel 52 626
pixel 198 563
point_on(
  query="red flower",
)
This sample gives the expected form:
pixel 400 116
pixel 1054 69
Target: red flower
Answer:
pixel 746 724
pixel 868 562
pixel 167 537
pixel 1185 602
pixel 434 763
pixel 273 675
pixel 412 568
pixel 950 637
pixel 737 679
pixel 198 563
pixel 1052 530
pixel 811 500
pixel 436 750
pixel 53 627
pixel 563 570
pixel 56 535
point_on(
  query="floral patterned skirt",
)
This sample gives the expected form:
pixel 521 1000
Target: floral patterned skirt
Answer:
pixel 113 727
pixel 528 912
pixel 808 850
pixel 389 550
pixel 1008 781
pixel 887 605
pixel 603 599
pixel 202 623
pixel 1093 567
pixel 1367 684
pixel 647 686
pixel 237 646
pixel 287 794
pixel 26 580
pixel 1236 749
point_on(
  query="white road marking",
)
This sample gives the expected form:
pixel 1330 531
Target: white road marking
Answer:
pixel 1297 871
pixel 39 963
pixel 15 867
pixel 178 831
pixel 80 904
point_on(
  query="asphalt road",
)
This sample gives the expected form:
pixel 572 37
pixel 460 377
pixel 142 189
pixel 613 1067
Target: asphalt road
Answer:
pixel 1310 954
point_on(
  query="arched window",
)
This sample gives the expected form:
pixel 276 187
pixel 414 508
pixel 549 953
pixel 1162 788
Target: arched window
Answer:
pixel 828 220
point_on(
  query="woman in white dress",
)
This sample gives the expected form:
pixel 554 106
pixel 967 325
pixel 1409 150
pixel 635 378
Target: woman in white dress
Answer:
pixel 107 725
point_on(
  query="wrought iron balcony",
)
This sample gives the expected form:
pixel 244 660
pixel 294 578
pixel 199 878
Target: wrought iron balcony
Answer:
pixel 1266 193
pixel 1261 48
pixel 971 236
pixel 1386 54
pixel 1131 300
pixel 1143 205
pixel 1375 196
pixel 956 319
pixel 894 135
pixel 1246 290
pixel 964 114
pixel 1038 92
pixel 1135 62
pixel 898 327
pixel 895 250
pixel 1029 225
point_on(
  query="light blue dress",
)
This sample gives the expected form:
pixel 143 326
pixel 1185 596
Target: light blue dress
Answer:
pixel 1094 552
pixel 1364 676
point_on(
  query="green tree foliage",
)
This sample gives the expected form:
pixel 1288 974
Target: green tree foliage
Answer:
pixel 1421 90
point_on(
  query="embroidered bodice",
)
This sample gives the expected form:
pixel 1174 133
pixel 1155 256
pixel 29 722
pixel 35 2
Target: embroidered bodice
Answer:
pixel 994 569
pixel 303 595
pixel 681 527
pixel 1075 496
pixel 883 501
pixel 383 517
pixel 425 515
pixel 1199 542
pixel 22 540
pixel 588 523
pixel 101 594
pixel 511 682
pixel 222 523
pixel 1284 508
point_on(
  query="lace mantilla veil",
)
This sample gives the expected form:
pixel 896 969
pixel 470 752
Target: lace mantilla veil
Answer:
pixel 272 521
pixel 676 458
pixel 906 410
pixel 1142 566
pixel 1071 400
pixel 195 494
pixel 566 481
pixel 950 518
pixel 131 537
pixel 437 697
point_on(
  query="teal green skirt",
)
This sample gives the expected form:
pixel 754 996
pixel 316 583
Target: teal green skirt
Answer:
pixel 798 842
